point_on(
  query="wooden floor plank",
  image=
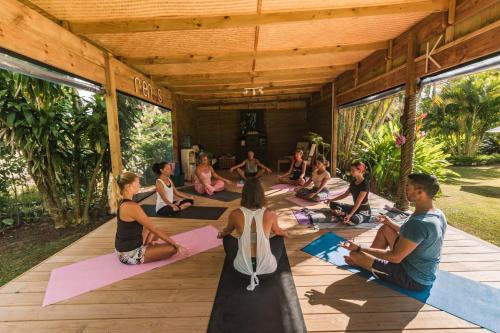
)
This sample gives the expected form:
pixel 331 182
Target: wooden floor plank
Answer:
pixel 178 297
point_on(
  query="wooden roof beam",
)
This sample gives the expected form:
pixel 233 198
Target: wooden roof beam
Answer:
pixel 233 56
pixel 269 84
pixel 246 20
pixel 243 100
pixel 239 94
pixel 239 88
pixel 284 73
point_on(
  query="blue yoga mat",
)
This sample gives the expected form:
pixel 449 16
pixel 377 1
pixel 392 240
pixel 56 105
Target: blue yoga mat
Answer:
pixel 461 297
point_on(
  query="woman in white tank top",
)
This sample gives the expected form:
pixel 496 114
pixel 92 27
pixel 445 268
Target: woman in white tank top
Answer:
pixel 165 192
pixel 255 254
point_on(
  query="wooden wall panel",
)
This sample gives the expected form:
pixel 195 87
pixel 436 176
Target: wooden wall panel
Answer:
pixel 284 129
pixel 319 116
pixel 218 131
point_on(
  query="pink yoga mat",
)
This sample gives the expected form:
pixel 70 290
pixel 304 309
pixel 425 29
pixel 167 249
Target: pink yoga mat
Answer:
pixel 282 187
pixel 305 203
pixel 76 279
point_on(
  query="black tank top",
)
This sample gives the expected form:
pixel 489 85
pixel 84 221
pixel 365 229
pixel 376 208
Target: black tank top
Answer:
pixel 128 234
pixel 297 170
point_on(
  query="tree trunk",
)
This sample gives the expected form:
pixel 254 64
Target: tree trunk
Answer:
pixel 76 181
pixel 90 188
pixel 105 183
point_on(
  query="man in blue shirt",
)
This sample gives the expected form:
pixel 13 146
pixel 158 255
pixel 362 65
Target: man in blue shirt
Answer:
pixel 408 254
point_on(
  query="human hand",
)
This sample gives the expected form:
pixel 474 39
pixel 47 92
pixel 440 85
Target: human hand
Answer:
pixel 349 245
pixel 347 218
pixel 220 235
pixel 384 219
pixel 312 195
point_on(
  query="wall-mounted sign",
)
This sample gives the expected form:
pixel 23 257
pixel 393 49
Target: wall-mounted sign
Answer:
pixel 146 90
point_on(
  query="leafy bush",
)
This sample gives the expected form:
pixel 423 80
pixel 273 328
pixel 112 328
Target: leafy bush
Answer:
pixel 382 155
pixel 490 145
pixel 476 160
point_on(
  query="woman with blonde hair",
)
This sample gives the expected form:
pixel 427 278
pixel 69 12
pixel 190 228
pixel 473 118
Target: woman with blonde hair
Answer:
pixel 136 235
pixel 203 183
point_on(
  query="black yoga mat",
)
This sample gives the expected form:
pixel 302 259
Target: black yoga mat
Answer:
pixel 272 307
pixel 143 195
pixel 225 195
pixel 193 212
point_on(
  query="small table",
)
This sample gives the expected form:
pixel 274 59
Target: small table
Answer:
pixel 282 161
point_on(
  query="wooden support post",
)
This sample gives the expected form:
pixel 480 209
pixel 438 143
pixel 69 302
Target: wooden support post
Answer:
pixel 408 121
pixel 175 138
pixel 388 58
pixel 335 131
pixel 112 115
pixel 450 29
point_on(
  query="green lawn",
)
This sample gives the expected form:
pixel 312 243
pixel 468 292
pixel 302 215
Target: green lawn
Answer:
pixel 471 202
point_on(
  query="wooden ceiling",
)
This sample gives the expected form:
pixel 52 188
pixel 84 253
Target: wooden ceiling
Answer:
pixel 207 50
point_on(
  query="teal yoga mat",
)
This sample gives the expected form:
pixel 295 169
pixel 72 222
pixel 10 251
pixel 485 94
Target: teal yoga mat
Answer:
pixel 461 297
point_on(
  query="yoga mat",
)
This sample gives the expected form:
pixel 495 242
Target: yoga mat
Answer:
pixel 283 187
pixel 305 203
pixel 143 195
pixel 193 212
pixel 225 195
pixel 461 297
pixel 273 307
pixel 76 279
pixel 303 219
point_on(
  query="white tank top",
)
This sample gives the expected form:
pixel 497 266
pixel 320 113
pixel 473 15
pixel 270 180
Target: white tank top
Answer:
pixel 266 262
pixel 169 193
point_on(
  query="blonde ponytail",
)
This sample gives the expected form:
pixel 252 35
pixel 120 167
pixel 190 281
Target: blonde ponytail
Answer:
pixel 117 185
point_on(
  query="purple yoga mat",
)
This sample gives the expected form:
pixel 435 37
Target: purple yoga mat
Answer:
pixel 76 279
pixel 301 217
pixel 305 203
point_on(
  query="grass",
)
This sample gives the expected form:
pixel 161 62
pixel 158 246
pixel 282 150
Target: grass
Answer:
pixel 471 201
pixel 28 245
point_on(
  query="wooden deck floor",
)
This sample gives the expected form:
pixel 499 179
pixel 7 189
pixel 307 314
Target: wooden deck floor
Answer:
pixel 179 297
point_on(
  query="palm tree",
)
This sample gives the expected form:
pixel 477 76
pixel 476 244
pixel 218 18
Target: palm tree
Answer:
pixel 464 110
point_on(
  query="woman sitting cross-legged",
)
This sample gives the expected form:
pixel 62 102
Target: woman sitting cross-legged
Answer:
pixel 319 178
pixel 295 175
pixel 359 188
pixel 252 166
pixel 165 191
pixel 203 178
pixel 136 235
pixel 254 252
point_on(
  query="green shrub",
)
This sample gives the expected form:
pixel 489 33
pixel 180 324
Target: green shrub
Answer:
pixel 476 160
pixel 382 155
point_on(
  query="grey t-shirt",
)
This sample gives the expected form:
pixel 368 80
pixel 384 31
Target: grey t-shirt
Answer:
pixel 427 230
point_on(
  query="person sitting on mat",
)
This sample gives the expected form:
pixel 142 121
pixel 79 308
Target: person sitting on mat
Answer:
pixel 203 178
pixel 165 191
pixel 408 254
pixel 136 235
pixel 320 177
pixel 254 252
pixel 252 166
pixel 359 188
pixel 295 175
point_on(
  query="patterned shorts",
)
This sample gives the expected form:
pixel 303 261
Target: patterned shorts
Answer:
pixel 134 257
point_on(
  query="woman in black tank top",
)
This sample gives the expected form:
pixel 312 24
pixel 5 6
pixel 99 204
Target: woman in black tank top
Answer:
pixel 295 175
pixel 136 235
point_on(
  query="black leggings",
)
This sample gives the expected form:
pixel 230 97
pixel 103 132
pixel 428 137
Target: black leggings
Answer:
pixel 169 211
pixel 361 216
pixel 231 247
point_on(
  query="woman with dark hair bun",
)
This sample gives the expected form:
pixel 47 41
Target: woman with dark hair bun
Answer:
pixel 359 188
pixel 320 177
pixel 165 191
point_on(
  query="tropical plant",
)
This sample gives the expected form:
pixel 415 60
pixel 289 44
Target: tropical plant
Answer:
pixel 323 147
pixel 463 111
pixel 382 153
